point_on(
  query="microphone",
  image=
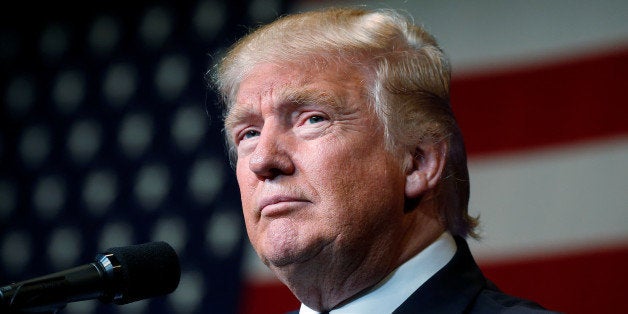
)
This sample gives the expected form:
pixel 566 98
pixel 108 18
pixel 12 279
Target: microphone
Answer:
pixel 120 275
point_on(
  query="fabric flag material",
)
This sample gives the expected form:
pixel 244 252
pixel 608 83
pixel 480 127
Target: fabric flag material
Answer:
pixel 109 137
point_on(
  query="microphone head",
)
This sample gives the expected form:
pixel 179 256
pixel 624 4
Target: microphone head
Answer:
pixel 146 270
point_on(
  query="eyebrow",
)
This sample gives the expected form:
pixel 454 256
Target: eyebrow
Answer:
pixel 236 113
pixel 304 96
pixel 294 96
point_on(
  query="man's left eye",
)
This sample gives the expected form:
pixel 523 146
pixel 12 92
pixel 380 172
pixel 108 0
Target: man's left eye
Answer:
pixel 315 119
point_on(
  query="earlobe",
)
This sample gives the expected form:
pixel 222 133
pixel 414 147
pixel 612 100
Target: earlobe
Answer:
pixel 416 184
pixel 425 167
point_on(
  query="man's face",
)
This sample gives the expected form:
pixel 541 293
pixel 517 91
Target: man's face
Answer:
pixel 315 178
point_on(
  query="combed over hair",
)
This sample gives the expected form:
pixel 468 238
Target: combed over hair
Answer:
pixel 406 74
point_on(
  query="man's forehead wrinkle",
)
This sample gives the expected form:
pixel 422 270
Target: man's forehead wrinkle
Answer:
pixel 249 103
pixel 311 95
pixel 269 97
pixel 236 114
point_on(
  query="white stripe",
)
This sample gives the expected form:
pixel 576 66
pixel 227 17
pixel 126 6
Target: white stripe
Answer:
pixel 551 201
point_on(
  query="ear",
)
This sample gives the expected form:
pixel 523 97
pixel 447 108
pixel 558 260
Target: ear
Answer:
pixel 425 167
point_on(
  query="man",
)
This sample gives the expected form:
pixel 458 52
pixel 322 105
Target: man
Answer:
pixel 351 167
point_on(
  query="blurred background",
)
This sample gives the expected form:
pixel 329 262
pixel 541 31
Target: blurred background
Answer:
pixel 109 136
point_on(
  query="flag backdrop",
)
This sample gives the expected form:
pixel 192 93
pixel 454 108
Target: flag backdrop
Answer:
pixel 108 137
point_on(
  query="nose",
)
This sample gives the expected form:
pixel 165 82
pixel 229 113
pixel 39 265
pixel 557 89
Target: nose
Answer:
pixel 272 155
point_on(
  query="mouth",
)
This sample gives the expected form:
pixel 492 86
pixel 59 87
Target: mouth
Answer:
pixel 280 205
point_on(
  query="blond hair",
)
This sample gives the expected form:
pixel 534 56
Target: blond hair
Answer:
pixel 406 75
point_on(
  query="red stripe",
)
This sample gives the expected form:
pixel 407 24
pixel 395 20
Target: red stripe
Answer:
pixel 537 106
pixel 267 298
pixel 592 282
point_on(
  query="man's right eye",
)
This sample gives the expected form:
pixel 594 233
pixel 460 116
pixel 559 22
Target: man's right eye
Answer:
pixel 250 133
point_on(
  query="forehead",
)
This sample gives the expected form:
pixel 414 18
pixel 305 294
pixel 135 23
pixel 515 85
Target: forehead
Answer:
pixel 278 84
pixel 284 78
pixel 272 80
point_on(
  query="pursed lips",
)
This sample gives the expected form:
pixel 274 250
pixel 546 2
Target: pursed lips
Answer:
pixel 276 205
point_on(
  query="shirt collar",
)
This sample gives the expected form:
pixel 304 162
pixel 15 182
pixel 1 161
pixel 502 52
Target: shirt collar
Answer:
pixel 393 290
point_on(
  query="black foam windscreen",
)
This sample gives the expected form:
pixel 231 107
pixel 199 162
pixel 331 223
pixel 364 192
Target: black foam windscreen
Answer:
pixel 147 270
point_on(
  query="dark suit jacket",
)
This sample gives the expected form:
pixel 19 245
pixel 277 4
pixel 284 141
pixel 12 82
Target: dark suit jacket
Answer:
pixel 460 287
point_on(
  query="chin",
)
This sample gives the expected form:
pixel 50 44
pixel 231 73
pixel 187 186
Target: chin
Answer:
pixel 279 261
pixel 284 256
pixel 284 242
pixel 280 255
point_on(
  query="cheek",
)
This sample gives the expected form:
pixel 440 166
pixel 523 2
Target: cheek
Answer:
pixel 251 227
pixel 247 190
pixel 361 196
pixel 245 182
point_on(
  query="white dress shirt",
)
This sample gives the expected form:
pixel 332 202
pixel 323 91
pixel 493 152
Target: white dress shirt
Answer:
pixel 393 290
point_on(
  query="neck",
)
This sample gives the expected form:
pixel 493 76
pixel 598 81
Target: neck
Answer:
pixel 339 275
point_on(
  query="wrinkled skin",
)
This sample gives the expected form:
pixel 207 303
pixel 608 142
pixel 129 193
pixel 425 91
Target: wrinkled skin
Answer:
pixel 323 199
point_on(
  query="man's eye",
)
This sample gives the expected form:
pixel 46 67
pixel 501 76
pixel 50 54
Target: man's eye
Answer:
pixel 315 119
pixel 250 134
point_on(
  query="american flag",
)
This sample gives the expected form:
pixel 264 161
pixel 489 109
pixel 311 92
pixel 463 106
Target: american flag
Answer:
pixel 109 137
